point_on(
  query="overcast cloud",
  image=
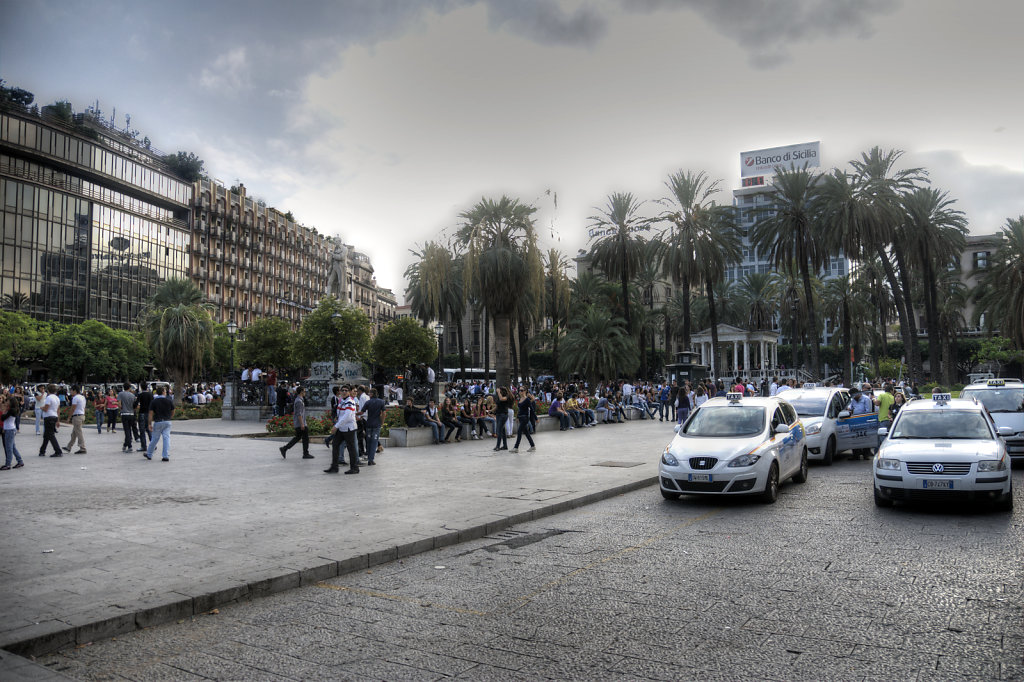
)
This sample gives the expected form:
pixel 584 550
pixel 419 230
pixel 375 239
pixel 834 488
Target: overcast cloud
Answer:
pixel 381 120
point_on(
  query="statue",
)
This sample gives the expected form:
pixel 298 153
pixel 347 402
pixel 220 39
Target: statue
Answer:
pixel 337 278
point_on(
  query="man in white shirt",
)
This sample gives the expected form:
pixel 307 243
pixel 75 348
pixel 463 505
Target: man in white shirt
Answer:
pixel 217 388
pixel 245 374
pixel 51 422
pixel 431 375
pixel 256 373
pixel 345 430
pixel 77 419
pixel 627 393
pixel 773 389
pixel 783 387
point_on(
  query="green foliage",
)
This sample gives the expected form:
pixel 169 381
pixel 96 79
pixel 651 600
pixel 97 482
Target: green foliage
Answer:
pixel 15 96
pixel 61 110
pixel 888 367
pixel 218 359
pixel 21 341
pixel 185 165
pixel 185 411
pixel 92 351
pixel 998 351
pixel 179 330
pixel 404 342
pixel 333 330
pixel 597 346
pixel 267 343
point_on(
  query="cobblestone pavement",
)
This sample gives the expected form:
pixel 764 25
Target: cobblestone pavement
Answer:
pixel 820 586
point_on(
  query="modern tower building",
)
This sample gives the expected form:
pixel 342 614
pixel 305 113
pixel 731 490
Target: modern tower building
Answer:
pixel 93 219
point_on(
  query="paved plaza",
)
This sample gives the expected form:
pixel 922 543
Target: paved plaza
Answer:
pixel 104 543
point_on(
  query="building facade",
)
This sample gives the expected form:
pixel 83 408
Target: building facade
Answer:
pixel 93 220
pixel 251 261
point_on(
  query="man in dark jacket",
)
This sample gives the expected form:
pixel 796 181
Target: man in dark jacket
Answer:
pixel 299 422
pixel 144 399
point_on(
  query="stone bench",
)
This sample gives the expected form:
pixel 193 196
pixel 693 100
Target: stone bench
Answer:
pixel 404 437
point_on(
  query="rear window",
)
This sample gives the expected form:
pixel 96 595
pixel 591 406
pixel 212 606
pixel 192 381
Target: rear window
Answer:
pixel 998 399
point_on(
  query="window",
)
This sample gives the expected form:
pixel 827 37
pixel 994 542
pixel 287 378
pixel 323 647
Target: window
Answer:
pixel 980 259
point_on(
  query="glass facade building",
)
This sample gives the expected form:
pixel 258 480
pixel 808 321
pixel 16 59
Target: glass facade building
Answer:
pixel 91 224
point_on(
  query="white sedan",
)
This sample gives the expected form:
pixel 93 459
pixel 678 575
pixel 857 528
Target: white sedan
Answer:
pixel 943 450
pixel 735 446
pixel 830 427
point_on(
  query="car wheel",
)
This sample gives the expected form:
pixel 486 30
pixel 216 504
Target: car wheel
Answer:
pixel 771 487
pixel 830 451
pixel 881 501
pixel 669 496
pixel 1005 503
pixel 801 476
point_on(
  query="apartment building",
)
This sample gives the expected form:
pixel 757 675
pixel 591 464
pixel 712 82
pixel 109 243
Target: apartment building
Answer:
pixel 252 261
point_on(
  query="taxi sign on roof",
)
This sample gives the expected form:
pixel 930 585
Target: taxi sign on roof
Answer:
pixel 733 397
pixel 997 382
pixel 810 384
pixel 942 397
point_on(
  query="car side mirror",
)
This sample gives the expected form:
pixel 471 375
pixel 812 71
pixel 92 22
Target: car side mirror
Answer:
pixel 677 427
pixel 1005 431
pixel 844 414
pixel 883 431
pixel 782 428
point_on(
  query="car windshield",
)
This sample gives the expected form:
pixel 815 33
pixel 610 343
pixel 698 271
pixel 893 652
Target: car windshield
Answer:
pixel 807 404
pixel 944 424
pixel 998 400
pixel 725 421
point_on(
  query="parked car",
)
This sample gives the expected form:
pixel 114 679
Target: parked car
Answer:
pixel 1004 399
pixel 829 427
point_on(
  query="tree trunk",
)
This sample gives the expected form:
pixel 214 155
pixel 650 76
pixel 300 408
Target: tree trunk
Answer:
pixel 932 317
pixel 643 353
pixel 812 319
pixel 897 295
pixel 554 347
pixel 913 352
pixel 487 344
pixel 524 352
pixel 847 333
pixel 502 355
pixel 685 290
pixel 462 351
pixel 513 325
pixel 713 317
pixel 625 293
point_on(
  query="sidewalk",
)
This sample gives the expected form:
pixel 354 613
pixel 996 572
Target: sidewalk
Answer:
pixel 105 543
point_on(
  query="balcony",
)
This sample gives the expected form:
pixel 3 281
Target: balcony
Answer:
pixel 231 281
pixel 214 299
pixel 230 303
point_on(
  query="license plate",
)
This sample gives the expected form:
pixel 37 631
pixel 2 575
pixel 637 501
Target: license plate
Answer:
pixel 700 478
pixel 938 485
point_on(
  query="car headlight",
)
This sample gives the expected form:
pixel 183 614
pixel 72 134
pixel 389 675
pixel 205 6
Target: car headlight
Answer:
pixel 747 460
pixel 887 463
pixel 991 465
pixel 668 459
pixel 814 429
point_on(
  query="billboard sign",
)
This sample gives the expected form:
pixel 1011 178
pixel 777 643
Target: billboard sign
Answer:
pixel 764 161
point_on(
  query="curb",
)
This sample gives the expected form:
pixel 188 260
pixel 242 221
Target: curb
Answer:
pixel 50 636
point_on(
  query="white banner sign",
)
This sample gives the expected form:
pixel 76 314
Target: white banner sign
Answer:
pixel 764 161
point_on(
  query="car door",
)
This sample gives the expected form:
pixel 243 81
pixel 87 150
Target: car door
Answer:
pixel 794 444
pixel 844 434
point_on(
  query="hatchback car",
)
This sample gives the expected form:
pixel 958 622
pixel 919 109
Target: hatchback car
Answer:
pixel 827 422
pixel 1004 400
pixel 735 446
pixel 943 450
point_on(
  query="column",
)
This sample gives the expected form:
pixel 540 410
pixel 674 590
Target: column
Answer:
pixel 735 356
pixel 746 359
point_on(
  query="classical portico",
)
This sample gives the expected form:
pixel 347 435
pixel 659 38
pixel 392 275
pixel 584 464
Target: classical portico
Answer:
pixel 741 352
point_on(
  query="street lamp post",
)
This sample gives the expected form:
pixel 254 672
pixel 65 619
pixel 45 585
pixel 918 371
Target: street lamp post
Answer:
pixel 439 330
pixel 232 330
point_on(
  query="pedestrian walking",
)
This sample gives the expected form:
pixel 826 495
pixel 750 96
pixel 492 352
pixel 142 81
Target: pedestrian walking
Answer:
pixel 503 405
pixel 373 411
pixel 345 430
pixel 161 411
pixel 126 401
pixel 145 399
pixel 112 408
pixel 10 407
pixel 37 406
pixel 527 412
pixel 77 420
pixel 99 408
pixel 299 422
pixel 51 422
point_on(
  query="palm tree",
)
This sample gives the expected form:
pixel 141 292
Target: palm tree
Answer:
pixel 19 300
pixel 693 220
pixel 589 288
pixel 557 292
pixel 179 330
pixel 435 289
pixel 503 266
pixel 934 236
pixel 597 345
pixel 715 248
pixel 619 253
pixel 842 302
pixel 880 189
pixel 789 235
pixel 1001 290
pixel 755 295
pixel 954 296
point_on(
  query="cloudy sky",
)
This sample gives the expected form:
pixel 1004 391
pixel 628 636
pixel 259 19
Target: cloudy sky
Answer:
pixel 381 120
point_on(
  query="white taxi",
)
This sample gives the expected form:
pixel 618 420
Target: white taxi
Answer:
pixel 828 424
pixel 943 450
pixel 1004 399
pixel 735 446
